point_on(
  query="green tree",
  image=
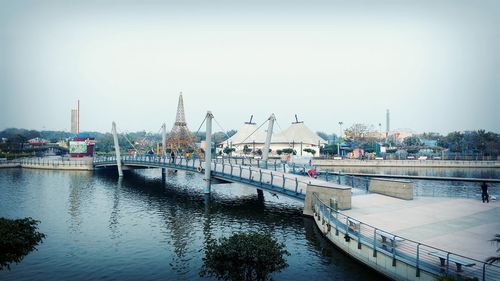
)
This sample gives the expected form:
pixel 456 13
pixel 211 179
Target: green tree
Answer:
pixel 17 239
pixel 496 259
pixel 228 150
pixel 246 149
pixel 289 151
pixel 309 150
pixel 412 141
pixel 244 256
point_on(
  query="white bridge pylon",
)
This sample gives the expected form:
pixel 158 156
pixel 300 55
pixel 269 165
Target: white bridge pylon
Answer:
pixel 208 149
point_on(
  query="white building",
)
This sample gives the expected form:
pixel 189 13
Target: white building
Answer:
pixel 296 137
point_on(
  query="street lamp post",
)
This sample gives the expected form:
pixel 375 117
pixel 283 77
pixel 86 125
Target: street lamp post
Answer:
pixel 340 135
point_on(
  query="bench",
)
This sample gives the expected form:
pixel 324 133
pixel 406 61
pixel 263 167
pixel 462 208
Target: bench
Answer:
pixel 459 262
pixel 352 224
pixel 388 238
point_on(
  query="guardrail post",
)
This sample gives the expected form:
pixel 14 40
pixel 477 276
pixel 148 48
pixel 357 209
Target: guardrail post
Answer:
pixel 418 260
pixel 296 185
pixel 359 236
pixel 283 181
pixel 338 178
pixel 260 176
pixel 250 175
pixel 484 271
pixel 241 170
pixel 258 163
pixel 231 168
pixel 275 165
pixel 447 262
pixel 374 242
pixel 222 167
pixel 393 250
pixel 272 178
pixel 326 176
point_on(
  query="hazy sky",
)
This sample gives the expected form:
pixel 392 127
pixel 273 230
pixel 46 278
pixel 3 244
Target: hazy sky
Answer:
pixel 435 64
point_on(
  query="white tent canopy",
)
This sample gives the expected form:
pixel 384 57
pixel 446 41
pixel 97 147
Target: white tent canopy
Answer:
pixel 295 136
pixel 299 133
pixel 247 134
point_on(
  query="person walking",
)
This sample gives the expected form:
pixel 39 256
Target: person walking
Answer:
pixel 172 157
pixel 484 192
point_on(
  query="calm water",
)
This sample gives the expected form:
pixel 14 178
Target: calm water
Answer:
pixel 432 188
pixel 101 228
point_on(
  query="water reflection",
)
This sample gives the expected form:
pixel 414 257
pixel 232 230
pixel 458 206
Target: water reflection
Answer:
pixel 80 189
pixel 492 173
pixel 99 226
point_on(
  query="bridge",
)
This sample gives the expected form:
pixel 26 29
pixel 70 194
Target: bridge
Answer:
pixel 265 177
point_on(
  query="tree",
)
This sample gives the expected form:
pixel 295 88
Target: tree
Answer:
pixel 228 150
pixel 289 151
pixel 17 239
pixel 246 149
pixel 279 151
pixel 309 150
pixel 412 141
pixel 496 259
pixel 244 256
pixel 361 133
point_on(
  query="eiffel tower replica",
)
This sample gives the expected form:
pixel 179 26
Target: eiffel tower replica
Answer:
pixel 180 139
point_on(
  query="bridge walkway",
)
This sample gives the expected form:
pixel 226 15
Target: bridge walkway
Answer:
pixel 291 185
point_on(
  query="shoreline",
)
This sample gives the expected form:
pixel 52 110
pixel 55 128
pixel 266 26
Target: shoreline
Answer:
pixel 331 163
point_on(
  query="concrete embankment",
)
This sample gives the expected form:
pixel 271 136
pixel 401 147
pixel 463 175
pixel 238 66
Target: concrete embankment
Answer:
pixel 331 163
pixel 418 239
pixel 82 164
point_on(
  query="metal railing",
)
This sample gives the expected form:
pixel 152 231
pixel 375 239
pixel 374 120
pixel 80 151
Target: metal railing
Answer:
pixel 276 181
pixel 421 256
pixel 54 163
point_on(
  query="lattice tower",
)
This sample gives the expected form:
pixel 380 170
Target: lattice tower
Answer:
pixel 180 138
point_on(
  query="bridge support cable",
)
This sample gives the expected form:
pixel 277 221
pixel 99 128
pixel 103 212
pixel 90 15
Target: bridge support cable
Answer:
pixel 117 150
pixel 252 132
pixel 265 151
pixel 223 130
pixel 208 151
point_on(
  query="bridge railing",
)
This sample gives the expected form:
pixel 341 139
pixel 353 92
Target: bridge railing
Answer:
pixel 403 250
pixel 41 161
pixel 277 180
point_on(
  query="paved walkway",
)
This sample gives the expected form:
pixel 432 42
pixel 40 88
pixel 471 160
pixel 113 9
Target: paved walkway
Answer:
pixel 462 226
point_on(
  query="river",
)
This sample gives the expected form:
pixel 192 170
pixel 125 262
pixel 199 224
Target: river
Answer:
pixel 100 227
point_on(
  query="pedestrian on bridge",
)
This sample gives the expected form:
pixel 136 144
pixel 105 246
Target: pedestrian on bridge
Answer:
pixel 484 192
pixel 172 157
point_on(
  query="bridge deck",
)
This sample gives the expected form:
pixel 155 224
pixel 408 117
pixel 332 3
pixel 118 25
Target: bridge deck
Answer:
pixel 291 185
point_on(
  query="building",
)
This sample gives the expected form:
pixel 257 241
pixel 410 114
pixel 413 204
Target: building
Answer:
pixel 249 140
pixel 81 145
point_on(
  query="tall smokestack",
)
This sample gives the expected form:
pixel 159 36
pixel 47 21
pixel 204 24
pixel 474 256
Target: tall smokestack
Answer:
pixel 388 123
pixel 78 125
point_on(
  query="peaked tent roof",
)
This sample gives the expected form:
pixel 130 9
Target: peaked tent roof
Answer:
pixel 298 132
pixel 244 135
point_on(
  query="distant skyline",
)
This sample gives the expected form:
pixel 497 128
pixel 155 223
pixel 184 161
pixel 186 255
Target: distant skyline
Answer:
pixel 434 64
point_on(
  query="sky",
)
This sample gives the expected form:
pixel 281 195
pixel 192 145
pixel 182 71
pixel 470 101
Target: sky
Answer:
pixel 435 64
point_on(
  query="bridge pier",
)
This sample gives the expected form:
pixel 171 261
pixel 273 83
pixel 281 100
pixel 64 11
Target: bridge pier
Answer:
pixel 208 152
pixel 260 194
pixel 117 150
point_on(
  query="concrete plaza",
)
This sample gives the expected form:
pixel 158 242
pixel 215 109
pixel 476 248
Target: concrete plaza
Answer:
pixel 461 226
